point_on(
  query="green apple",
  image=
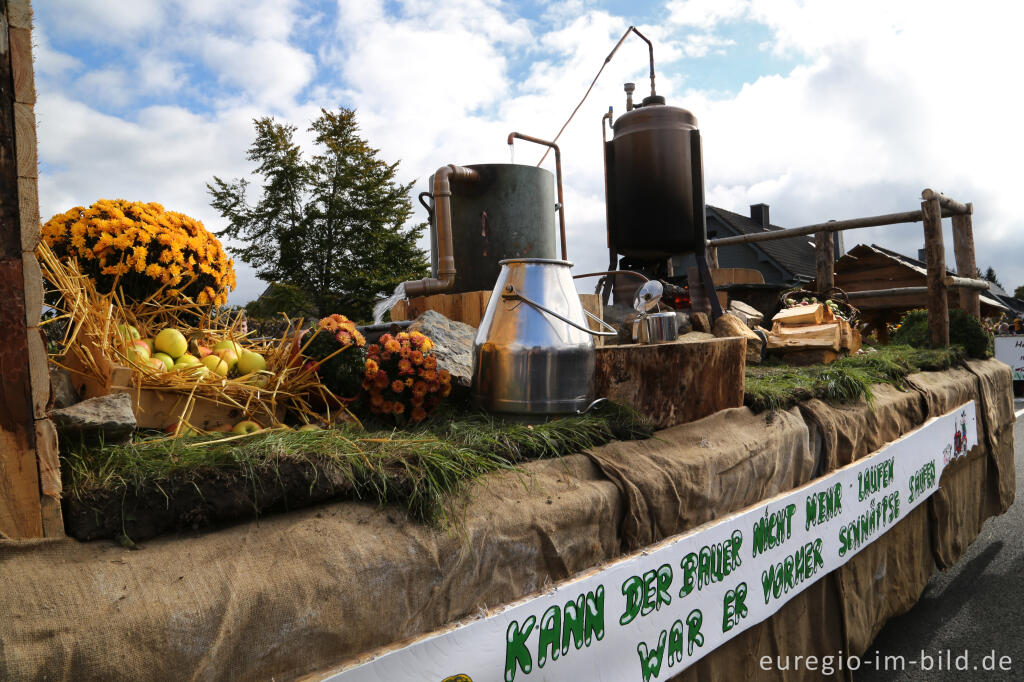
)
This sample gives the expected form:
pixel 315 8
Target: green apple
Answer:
pixel 166 359
pixel 193 371
pixel 186 360
pixel 138 353
pixel 157 364
pixel 172 342
pixel 246 427
pixel 216 365
pixel 127 332
pixel 149 345
pixel 228 345
pixel 310 427
pixel 251 362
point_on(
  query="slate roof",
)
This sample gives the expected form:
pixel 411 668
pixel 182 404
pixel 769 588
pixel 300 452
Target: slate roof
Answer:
pixel 795 254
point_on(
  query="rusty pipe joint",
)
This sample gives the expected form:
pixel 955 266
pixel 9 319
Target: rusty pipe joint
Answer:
pixel 442 193
pixel 558 181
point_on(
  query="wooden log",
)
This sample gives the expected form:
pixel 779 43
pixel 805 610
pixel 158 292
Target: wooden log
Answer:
pixel 673 383
pixel 713 259
pixel 39 371
pixel 805 337
pixel 953 282
pixel 49 460
pixel 33 289
pixel 728 325
pixel 849 337
pixel 802 314
pixel 886 293
pixel 966 266
pixel 935 253
pixel 28 210
pixel 25 140
pixel 825 261
pixel 21 65
pixel 19 13
pixel 948 203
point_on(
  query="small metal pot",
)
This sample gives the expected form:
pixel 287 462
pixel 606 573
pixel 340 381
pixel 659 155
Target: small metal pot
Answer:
pixel 655 328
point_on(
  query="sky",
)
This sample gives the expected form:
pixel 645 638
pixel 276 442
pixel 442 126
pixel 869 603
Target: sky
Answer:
pixel 822 109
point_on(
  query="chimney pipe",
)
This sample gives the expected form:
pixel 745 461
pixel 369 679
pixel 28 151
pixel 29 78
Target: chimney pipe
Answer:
pixel 759 214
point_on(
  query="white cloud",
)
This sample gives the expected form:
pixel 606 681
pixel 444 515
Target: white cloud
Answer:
pixel 889 98
pixel 705 14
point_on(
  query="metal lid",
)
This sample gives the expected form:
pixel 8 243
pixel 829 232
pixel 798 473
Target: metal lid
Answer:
pixel 654 118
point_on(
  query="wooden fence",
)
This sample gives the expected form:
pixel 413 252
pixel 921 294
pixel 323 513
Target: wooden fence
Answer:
pixel 934 207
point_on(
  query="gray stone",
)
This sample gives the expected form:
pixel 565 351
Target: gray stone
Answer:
pixel 453 344
pixel 108 418
pixel 62 389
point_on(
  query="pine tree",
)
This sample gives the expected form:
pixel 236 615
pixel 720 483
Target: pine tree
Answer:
pixel 332 225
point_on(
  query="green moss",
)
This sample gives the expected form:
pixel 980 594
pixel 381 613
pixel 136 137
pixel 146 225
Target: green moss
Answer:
pixel 773 385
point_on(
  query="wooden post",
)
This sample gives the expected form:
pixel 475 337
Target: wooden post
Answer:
pixel 824 251
pixel 935 256
pixel 966 266
pixel 30 485
pixel 713 257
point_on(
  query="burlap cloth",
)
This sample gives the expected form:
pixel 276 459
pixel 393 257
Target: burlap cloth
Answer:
pixel 303 591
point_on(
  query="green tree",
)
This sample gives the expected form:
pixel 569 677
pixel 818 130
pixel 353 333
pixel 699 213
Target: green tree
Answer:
pixel 332 224
pixel 990 275
pixel 1019 292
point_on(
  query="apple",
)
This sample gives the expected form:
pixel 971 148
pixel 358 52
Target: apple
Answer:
pixel 251 362
pixel 172 342
pixel 228 345
pixel 166 359
pixel 186 360
pixel 246 427
pixel 149 345
pixel 157 364
pixel 310 427
pixel 193 371
pixel 215 364
pixel 128 332
pixel 227 355
pixel 203 350
pixel 138 353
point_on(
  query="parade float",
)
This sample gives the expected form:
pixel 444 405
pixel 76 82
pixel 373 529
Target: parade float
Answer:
pixel 530 528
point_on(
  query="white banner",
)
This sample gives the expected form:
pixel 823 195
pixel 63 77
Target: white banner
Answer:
pixel 1010 349
pixel 650 615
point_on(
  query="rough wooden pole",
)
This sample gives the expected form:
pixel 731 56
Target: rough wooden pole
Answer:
pixel 824 250
pixel 935 257
pixel 966 266
pixel 713 257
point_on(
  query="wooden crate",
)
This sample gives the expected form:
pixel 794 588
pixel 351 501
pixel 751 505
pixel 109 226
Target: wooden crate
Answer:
pixel 159 409
pixel 674 383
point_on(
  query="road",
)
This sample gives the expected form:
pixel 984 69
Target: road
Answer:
pixel 975 607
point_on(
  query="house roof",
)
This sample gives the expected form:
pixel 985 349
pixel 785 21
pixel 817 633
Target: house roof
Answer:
pixel 795 254
pixel 914 264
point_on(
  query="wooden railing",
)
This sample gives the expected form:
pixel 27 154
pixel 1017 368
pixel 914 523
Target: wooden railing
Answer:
pixel 934 207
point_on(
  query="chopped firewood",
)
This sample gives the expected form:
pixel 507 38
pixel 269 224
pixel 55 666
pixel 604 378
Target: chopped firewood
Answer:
pixel 803 314
pixel 807 336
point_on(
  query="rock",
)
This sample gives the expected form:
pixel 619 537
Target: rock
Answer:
pixel 750 315
pixel 62 389
pixel 730 325
pixel 700 322
pixel 108 417
pixel 453 344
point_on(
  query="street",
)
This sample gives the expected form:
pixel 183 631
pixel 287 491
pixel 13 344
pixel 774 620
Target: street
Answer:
pixel 969 615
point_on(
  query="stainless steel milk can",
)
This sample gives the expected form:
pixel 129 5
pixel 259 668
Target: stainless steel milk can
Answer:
pixel 534 353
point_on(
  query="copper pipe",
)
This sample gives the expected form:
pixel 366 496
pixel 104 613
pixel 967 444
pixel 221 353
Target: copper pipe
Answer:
pixel 443 223
pixel 558 181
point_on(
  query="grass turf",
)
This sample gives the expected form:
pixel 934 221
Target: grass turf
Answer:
pixel 774 385
pixel 422 468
